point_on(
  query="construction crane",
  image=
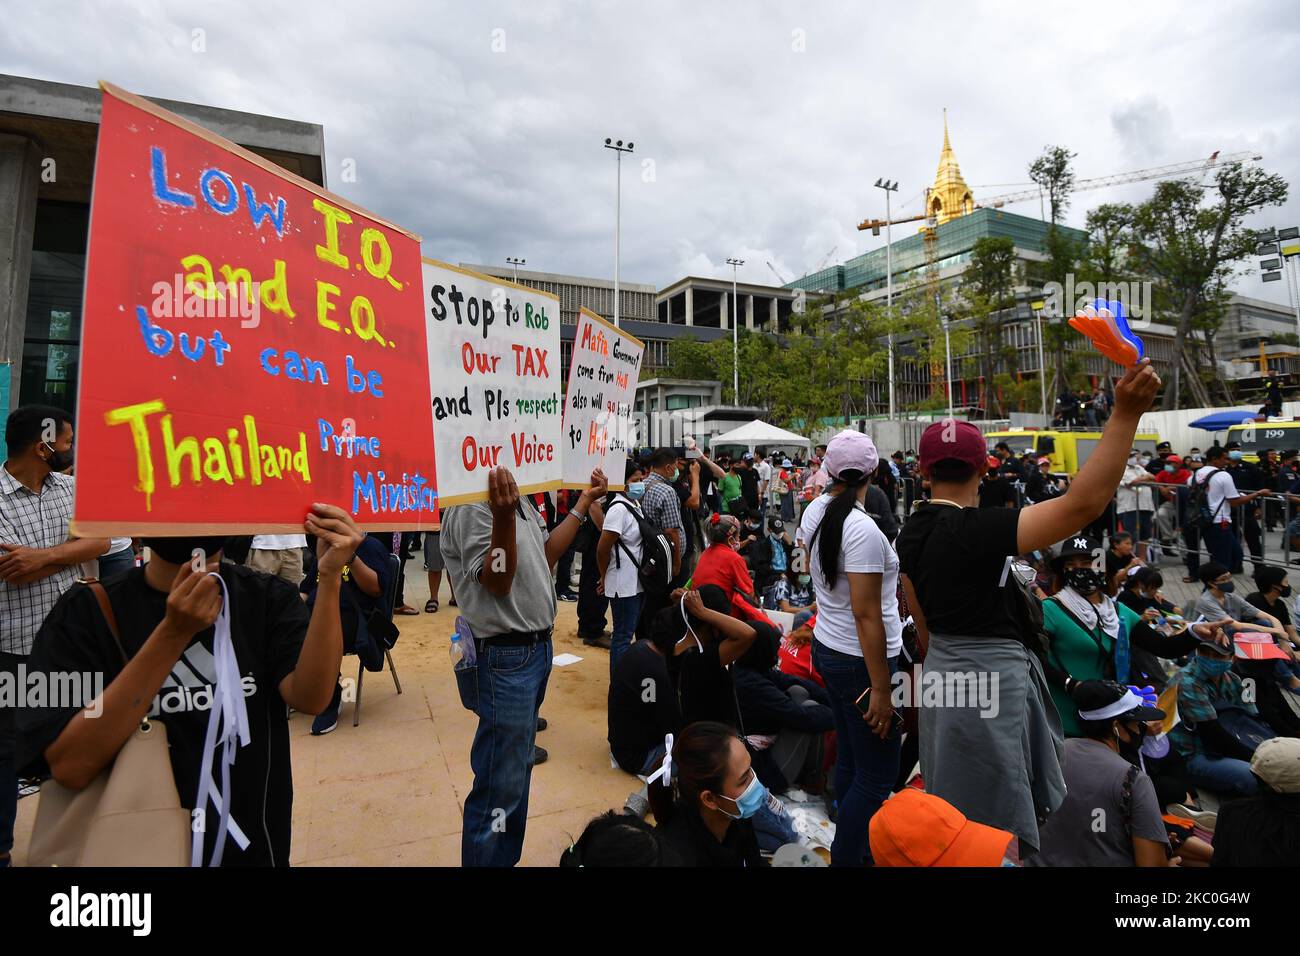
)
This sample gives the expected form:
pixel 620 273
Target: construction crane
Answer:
pixel 1172 171
pixel 778 275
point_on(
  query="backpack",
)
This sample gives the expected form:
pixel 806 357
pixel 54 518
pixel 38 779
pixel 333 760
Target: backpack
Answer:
pixel 1199 514
pixel 655 569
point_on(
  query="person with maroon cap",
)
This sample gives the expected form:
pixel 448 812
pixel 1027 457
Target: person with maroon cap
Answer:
pixel 998 761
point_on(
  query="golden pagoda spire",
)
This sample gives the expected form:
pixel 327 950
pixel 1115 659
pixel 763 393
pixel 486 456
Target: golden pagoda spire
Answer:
pixel 949 197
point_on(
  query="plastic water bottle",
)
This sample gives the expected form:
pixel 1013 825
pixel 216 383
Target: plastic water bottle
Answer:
pixel 457 652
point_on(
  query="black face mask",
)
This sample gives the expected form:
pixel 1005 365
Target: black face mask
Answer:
pixel 1131 748
pixel 181 550
pixel 1085 580
pixel 59 460
pixel 1285 592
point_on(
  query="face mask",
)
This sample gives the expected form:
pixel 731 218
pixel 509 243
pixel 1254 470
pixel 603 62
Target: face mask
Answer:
pixel 1170 468
pixel 1129 749
pixel 59 460
pixel 1226 588
pixel 1084 580
pixel 749 802
pixel 1155 747
pixel 1132 459
pixel 636 490
pixel 1235 455
pixel 1213 668
pixel 181 550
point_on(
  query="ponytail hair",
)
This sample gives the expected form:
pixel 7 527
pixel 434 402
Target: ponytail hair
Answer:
pixel 830 529
pixel 699 759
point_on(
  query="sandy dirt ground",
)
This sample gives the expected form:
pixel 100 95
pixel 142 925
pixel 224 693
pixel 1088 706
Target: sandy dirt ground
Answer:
pixel 390 792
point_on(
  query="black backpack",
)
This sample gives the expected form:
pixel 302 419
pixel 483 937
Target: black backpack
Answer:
pixel 1199 514
pixel 655 569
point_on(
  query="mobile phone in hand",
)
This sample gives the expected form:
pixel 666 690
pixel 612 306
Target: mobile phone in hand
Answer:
pixel 863 703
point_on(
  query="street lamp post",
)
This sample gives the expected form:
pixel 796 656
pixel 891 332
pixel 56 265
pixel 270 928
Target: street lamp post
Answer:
pixel 515 264
pixel 735 336
pixel 889 187
pixel 947 352
pixel 619 149
pixel 1042 366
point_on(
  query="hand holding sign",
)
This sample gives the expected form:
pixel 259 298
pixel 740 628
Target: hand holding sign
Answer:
pixel 1105 324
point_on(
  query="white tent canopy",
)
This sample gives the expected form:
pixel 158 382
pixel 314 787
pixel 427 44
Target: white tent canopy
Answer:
pixel 758 433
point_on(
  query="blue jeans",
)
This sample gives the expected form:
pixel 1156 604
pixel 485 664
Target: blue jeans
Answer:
pixel 1223 546
pixel 8 772
pixel 626 611
pixel 1225 775
pixel 509 684
pixel 113 564
pixel 865 765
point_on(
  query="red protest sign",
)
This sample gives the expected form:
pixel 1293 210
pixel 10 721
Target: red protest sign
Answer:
pixel 251 344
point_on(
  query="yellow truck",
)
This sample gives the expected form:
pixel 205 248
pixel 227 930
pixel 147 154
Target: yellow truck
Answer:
pixel 1257 436
pixel 1067 449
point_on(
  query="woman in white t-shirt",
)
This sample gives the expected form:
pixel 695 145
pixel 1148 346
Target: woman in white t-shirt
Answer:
pixel 857 638
pixel 618 555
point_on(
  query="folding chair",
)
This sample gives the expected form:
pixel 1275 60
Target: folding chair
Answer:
pixel 390 600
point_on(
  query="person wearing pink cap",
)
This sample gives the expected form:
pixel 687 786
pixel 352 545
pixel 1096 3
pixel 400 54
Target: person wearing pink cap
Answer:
pixel 997 761
pixel 857 639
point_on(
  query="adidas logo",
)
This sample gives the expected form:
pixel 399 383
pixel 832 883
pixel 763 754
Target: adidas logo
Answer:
pixel 189 686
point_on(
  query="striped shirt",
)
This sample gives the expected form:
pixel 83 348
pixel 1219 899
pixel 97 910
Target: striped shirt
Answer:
pixel 34 521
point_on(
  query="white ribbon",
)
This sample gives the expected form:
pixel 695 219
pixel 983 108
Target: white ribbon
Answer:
pixel 227 721
pixel 666 768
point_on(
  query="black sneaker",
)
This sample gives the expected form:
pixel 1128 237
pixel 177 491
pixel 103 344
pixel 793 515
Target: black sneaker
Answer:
pixel 605 640
pixel 568 597
pixel 539 755
pixel 541 724
pixel 328 719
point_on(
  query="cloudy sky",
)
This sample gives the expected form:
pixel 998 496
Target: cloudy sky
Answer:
pixel 759 126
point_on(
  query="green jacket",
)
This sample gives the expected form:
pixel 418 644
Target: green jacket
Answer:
pixel 1081 654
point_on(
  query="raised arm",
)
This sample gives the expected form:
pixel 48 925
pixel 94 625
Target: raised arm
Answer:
pixel 1047 522
pixel 588 506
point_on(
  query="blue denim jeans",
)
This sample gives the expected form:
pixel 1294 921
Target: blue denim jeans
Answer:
pixel 8 772
pixel 626 611
pixel 114 564
pixel 865 765
pixel 1225 775
pixel 1223 545
pixel 510 684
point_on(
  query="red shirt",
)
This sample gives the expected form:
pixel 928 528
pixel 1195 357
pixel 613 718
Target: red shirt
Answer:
pixel 721 565
pixel 1178 477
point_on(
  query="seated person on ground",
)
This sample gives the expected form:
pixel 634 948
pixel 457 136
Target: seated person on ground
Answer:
pixel 791 593
pixel 1264 830
pixel 642 706
pixel 617 839
pixel 1119 558
pixel 704 813
pixel 1207 690
pixel 698 637
pixel 720 565
pixel 784 718
pixel 1103 783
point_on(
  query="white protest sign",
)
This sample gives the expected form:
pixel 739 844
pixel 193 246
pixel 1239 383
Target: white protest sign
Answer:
pixel 598 403
pixel 494 381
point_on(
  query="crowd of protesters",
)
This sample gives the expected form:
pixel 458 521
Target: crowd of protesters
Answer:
pixel 775 626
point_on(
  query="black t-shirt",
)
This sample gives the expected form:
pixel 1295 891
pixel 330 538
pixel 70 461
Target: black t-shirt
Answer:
pixel 642 706
pixel 1278 610
pixel 956 559
pixel 997 492
pixel 1116 563
pixel 695 845
pixel 268 624
pixel 1258 831
pixel 704 688
pixel 690 525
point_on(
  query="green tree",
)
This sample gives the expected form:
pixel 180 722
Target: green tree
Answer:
pixel 1190 249
pixel 987 290
pixel 1055 176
